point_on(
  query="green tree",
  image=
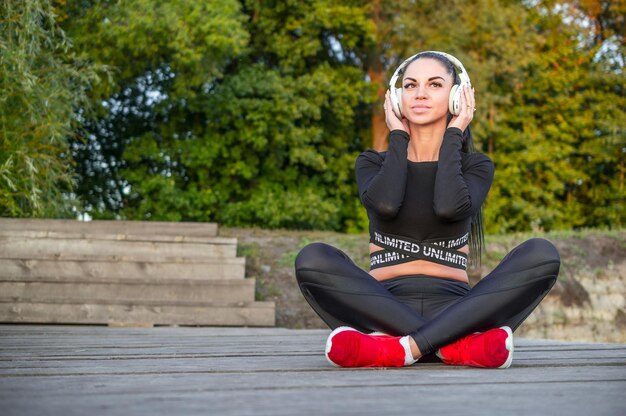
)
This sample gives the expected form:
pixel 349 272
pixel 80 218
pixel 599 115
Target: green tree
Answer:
pixel 550 104
pixel 42 86
pixel 242 115
pixel 252 112
pixel 562 145
pixel 164 56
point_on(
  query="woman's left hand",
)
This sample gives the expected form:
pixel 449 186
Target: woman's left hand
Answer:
pixel 466 113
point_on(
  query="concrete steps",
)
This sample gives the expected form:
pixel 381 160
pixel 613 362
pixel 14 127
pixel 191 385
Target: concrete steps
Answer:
pixel 124 290
pixel 139 313
pixel 108 227
pixel 131 272
pixel 68 246
pixel 94 267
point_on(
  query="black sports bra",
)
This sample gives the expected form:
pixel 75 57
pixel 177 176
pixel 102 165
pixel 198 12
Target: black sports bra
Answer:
pixel 422 210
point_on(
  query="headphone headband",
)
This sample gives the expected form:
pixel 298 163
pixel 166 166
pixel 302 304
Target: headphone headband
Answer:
pixel 461 72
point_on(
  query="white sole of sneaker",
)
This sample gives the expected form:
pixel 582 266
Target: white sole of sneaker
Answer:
pixel 329 341
pixel 509 346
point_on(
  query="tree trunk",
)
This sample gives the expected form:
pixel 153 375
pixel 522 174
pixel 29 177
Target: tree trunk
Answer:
pixel 376 74
pixel 379 127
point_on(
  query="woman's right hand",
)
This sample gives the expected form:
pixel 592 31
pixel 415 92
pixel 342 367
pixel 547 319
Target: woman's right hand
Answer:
pixel 468 106
pixel 391 119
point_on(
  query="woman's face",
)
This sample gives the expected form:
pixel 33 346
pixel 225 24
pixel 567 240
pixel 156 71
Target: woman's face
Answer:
pixel 426 89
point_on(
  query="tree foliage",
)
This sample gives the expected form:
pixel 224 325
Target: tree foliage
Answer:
pixel 560 146
pixel 242 114
pixel 42 88
pixel 252 112
pixel 550 98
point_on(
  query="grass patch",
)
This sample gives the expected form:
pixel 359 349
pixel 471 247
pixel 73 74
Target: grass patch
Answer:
pixel 289 258
pixel 247 250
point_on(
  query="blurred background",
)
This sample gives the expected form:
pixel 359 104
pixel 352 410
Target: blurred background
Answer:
pixel 251 112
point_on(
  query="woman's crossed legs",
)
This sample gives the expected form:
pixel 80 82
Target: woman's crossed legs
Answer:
pixel 342 294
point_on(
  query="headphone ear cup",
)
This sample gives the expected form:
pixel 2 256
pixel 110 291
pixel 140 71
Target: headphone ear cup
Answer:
pixel 454 102
pixel 396 101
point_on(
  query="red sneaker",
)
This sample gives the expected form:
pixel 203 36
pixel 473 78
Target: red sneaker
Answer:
pixel 491 349
pixel 347 347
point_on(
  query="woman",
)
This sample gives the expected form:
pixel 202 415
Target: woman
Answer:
pixel 423 198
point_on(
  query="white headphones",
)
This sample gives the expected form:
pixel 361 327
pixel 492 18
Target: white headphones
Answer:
pixel 455 94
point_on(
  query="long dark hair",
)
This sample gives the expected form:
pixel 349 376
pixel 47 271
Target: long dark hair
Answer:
pixel 477 233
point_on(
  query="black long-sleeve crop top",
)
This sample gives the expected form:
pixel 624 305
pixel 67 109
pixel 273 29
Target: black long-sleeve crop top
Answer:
pixel 422 210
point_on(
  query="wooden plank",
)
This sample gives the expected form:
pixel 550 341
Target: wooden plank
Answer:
pixel 416 377
pixel 99 267
pixel 53 336
pixel 164 337
pixel 75 249
pixel 129 325
pixel 159 313
pixel 230 349
pixel 172 339
pixel 173 291
pixel 131 361
pixel 46 343
pixel 198 229
pixel 264 371
pixel 537 398
pixel 610 369
pixel 112 372
pixel 76 235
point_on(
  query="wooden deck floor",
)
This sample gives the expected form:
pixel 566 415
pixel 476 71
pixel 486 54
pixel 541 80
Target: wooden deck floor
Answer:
pixel 81 370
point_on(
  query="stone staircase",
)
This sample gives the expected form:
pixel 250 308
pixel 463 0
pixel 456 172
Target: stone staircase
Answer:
pixel 124 273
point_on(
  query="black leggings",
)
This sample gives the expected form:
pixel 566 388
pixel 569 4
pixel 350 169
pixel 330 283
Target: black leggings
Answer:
pixel 433 311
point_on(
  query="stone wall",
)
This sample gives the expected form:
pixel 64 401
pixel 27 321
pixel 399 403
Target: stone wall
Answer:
pixel 593 312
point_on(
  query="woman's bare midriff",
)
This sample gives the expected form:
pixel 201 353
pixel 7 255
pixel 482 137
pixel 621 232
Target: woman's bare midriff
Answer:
pixel 418 267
